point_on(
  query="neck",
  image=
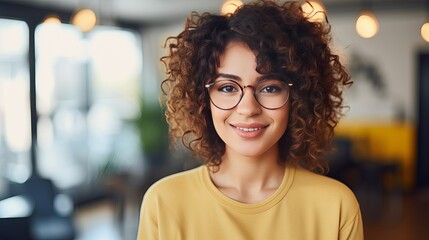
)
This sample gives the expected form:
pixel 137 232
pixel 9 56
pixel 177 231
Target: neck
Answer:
pixel 249 179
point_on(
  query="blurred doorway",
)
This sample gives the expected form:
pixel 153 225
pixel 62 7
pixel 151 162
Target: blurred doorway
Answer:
pixel 423 121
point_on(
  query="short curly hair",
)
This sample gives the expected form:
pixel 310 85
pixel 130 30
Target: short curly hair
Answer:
pixel 284 41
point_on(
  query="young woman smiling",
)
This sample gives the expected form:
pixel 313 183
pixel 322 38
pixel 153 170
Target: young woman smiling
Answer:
pixel 256 96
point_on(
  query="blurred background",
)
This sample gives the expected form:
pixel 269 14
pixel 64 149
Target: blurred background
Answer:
pixel 82 135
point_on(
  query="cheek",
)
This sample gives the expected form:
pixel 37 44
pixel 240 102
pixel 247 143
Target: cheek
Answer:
pixel 283 119
pixel 218 114
pixel 219 118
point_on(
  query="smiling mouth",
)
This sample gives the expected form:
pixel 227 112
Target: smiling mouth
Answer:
pixel 250 132
pixel 248 129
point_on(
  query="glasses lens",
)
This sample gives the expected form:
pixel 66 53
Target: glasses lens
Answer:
pixel 225 94
pixel 272 94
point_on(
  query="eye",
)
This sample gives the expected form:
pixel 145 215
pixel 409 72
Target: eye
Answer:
pixel 227 87
pixel 271 89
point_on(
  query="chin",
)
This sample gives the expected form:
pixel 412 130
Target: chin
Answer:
pixel 250 151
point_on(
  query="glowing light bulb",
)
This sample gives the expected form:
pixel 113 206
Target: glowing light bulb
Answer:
pixel 314 11
pixel 229 6
pixel 85 20
pixel 425 31
pixel 52 19
pixel 367 25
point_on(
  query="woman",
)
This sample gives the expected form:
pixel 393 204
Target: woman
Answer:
pixel 256 95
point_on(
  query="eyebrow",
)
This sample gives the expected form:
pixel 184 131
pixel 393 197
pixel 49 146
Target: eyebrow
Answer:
pixel 259 79
pixel 226 75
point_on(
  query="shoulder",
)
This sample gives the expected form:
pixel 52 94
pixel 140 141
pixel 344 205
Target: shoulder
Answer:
pixel 324 188
pixel 178 183
pixel 317 182
pixel 325 196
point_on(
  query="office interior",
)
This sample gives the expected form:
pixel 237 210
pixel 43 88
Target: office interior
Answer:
pixel 82 135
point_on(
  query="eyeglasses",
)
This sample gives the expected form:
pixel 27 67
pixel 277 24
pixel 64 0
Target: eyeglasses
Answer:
pixel 227 94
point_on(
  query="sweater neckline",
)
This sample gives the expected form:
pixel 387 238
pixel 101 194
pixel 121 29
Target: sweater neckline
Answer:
pixel 235 205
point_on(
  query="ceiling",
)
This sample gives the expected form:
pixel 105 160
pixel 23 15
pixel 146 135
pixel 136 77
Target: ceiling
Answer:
pixel 141 11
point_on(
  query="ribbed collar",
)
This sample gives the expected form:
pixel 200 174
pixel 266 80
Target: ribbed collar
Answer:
pixel 249 208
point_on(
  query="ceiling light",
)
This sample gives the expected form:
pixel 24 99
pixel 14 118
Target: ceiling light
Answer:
pixel 425 31
pixel 314 10
pixel 84 19
pixel 52 19
pixel 229 6
pixel 367 25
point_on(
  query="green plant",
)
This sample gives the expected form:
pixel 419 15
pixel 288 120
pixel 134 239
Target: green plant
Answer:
pixel 153 131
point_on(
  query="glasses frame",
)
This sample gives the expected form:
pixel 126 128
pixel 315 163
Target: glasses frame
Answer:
pixel 209 85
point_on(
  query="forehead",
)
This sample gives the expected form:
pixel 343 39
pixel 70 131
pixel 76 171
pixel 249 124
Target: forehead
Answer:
pixel 235 50
pixel 238 59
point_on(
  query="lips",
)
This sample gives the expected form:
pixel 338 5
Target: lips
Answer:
pixel 249 131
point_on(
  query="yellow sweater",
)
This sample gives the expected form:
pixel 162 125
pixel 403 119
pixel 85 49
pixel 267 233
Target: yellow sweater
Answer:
pixel 188 206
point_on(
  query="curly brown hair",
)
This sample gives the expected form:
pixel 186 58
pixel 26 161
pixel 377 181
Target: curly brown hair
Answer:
pixel 285 42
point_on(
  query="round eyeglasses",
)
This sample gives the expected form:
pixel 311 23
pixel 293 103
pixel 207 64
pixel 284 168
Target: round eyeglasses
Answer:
pixel 227 94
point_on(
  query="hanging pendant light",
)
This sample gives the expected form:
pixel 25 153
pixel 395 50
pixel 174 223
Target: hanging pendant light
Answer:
pixel 424 31
pixel 229 6
pixel 367 24
pixel 52 19
pixel 314 10
pixel 84 19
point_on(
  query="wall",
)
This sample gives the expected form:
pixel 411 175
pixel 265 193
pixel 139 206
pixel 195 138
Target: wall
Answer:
pixel 394 52
pixel 153 40
pixel 385 120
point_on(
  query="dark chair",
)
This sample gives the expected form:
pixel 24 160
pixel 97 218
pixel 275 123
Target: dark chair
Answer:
pixel 342 164
pixel 367 178
pixel 45 223
pixel 15 213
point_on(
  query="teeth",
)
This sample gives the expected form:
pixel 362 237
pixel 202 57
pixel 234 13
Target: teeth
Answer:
pixel 249 129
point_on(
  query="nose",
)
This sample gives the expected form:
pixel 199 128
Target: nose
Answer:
pixel 248 105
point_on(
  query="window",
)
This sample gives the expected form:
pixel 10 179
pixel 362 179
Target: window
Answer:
pixel 15 126
pixel 88 87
